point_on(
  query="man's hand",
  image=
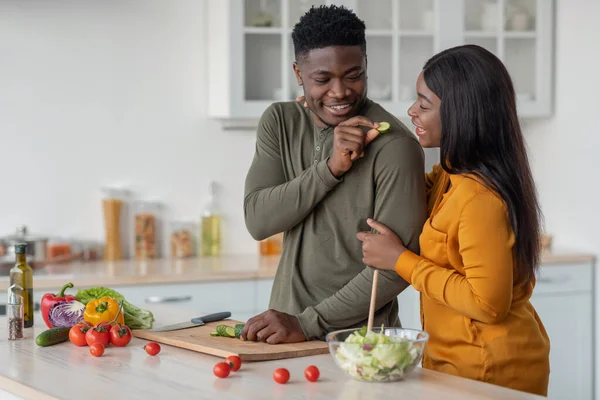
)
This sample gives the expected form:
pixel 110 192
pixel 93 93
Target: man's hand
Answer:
pixel 273 327
pixel 380 250
pixel 349 142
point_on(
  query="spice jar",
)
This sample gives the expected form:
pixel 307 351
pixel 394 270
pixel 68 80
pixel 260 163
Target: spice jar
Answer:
pixel 15 312
pixel 58 247
pixel 182 240
pixel 112 206
pixel 146 223
pixel 271 246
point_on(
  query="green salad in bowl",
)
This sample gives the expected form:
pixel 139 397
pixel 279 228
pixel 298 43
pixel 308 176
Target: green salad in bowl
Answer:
pixel 380 355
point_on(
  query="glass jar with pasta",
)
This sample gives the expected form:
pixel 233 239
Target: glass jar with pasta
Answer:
pixel 182 239
pixel 146 230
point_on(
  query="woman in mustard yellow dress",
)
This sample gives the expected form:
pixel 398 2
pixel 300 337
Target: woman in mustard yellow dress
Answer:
pixel 480 246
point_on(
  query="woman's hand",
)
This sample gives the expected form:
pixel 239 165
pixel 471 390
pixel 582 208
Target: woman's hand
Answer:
pixel 301 100
pixel 380 250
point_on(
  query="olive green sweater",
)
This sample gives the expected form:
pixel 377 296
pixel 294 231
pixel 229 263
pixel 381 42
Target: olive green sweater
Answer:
pixel 289 188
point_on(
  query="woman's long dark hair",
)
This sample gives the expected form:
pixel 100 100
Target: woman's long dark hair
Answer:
pixel 481 135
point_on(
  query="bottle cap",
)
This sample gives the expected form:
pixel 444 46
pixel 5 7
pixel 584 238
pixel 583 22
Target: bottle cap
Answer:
pixel 21 248
pixel 15 294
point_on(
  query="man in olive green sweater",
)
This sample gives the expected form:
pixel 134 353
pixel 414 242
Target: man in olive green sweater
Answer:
pixel 318 173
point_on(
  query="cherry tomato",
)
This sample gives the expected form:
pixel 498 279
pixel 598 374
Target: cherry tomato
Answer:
pixel 311 373
pixel 221 370
pixel 234 362
pixel 152 348
pixel 106 325
pixel 97 334
pixel 77 334
pixel 281 375
pixel 120 335
pixel 97 349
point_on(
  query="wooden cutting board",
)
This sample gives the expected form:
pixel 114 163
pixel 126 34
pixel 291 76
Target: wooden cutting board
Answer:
pixel 199 339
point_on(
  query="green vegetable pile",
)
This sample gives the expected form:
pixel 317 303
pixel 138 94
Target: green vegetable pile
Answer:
pixel 374 356
pixel 135 318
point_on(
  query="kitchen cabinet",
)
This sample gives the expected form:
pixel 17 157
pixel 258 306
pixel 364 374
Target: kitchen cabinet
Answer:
pixel 251 51
pixel 563 298
pixel 238 297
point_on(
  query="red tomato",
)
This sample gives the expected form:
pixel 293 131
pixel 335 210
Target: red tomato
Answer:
pixel 106 325
pixel 120 336
pixel 234 362
pixel 77 334
pixel 221 370
pixel 152 348
pixel 97 334
pixel 97 349
pixel 311 373
pixel 281 375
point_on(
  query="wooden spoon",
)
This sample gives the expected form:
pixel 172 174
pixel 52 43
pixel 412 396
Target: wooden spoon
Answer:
pixel 373 299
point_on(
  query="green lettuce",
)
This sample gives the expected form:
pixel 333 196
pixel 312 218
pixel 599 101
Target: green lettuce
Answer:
pixel 376 357
pixel 135 317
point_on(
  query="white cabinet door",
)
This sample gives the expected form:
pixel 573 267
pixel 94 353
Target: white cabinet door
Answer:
pixel 263 294
pixel 409 308
pixel 569 326
pixel 238 297
pixel 563 298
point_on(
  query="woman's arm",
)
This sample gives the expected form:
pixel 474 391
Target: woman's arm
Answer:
pixel 485 238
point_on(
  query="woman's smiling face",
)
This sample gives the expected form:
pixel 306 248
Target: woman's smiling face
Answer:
pixel 425 115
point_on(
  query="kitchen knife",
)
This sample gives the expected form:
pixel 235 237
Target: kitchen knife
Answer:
pixel 199 321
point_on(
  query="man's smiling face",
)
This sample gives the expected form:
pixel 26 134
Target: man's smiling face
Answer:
pixel 335 82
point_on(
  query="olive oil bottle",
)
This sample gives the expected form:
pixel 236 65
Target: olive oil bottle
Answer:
pixel 211 226
pixel 22 275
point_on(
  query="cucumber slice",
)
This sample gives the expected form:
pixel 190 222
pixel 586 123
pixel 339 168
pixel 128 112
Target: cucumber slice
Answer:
pixel 238 330
pixel 225 331
pixel 221 330
pixel 230 332
pixel 383 126
pixel 214 334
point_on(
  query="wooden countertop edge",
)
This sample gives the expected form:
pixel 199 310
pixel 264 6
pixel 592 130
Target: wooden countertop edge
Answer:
pixel 21 390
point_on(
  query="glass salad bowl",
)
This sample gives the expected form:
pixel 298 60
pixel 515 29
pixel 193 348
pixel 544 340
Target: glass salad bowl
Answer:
pixel 382 355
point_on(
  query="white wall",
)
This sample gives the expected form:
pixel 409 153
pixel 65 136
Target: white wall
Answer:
pixel 96 93
pixel 564 149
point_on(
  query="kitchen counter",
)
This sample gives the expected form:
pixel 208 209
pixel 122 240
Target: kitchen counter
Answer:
pixel 234 267
pixel 132 272
pixel 65 371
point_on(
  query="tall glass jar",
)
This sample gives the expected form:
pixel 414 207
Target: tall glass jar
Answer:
pixel 182 239
pixel 112 206
pixel 146 230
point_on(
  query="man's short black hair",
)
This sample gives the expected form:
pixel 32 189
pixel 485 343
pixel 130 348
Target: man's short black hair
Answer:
pixel 326 26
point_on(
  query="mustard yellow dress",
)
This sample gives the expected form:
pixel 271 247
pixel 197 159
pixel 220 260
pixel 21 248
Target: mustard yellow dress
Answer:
pixel 481 324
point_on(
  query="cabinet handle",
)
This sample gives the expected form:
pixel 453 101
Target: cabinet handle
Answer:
pixel 167 299
pixel 560 279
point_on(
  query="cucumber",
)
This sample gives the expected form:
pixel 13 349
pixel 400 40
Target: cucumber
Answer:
pixel 383 126
pixel 53 336
pixel 227 331
pixel 238 330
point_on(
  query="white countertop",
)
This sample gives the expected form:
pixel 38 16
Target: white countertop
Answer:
pixel 162 271
pixel 65 371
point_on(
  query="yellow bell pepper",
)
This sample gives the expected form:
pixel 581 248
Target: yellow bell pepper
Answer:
pixel 104 309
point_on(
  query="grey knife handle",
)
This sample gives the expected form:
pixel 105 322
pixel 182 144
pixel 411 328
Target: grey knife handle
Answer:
pixel 212 317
